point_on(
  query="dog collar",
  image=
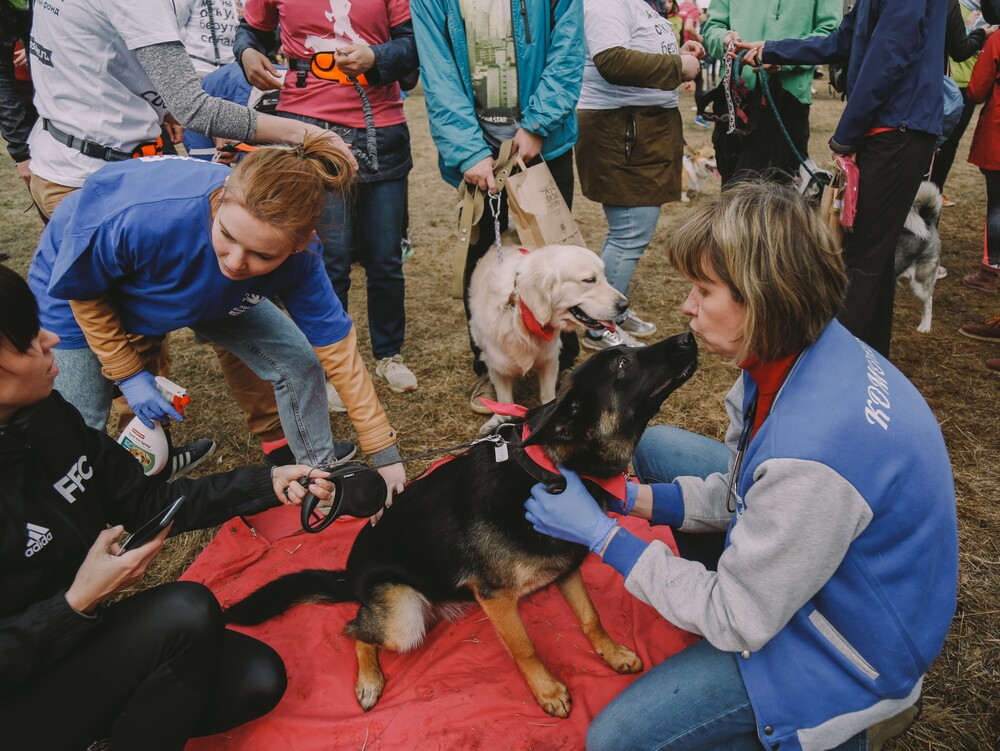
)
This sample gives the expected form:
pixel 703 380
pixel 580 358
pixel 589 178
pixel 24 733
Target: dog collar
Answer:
pixel 532 324
pixel 543 469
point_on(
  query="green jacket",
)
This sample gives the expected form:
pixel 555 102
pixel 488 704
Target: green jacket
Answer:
pixel 788 19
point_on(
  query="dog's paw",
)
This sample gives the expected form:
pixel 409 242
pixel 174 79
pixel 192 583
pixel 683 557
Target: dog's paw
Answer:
pixel 924 328
pixel 622 660
pixel 554 699
pixel 368 690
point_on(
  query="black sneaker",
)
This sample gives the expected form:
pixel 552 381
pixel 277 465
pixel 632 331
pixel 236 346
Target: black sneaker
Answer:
pixel 183 459
pixel 342 451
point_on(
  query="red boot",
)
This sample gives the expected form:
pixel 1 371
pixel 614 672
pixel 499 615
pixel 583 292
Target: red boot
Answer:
pixel 985 281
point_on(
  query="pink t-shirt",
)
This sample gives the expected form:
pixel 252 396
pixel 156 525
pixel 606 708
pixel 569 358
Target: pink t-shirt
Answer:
pixel 689 12
pixel 309 26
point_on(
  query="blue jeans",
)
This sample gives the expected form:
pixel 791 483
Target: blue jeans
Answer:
pixel 692 701
pixel 630 228
pixel 665 453
pixel 368 225
pixel 269 343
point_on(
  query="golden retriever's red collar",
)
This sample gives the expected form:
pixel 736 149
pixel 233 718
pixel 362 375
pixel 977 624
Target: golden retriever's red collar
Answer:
pixel 531 323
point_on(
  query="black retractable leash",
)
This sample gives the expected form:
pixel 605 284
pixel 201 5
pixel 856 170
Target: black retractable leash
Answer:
pixel 359 490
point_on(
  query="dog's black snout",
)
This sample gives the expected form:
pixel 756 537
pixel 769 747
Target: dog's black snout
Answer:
pixel 686 340
pixel 622 305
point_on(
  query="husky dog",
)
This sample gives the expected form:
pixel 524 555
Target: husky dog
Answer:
pixel 919 249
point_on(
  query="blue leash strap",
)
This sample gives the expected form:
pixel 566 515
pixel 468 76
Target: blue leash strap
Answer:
pixel 763 78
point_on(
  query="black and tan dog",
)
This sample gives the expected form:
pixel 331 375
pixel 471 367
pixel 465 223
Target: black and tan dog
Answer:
pixel 458 533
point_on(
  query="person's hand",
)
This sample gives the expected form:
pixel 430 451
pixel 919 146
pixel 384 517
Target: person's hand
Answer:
pixel 691 47
pixel 480 175
pixel 24 172
pixel 355 59
pixel 753 52
pixel 690 67
pixel 527 145
pixel 834 156
pixel 259 70
pixel 989 30
pixel 288 490
pixel 146 401
pixel 103 572
pixel 395 480
pixel 224 157
pixel 174 129
pixel 732 37
pixel 21 58
pixel 572 515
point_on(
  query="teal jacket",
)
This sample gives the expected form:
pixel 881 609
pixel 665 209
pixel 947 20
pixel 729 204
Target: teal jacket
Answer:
pixel 773 19
pixel 549 44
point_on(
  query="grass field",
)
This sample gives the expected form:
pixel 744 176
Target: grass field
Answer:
pixel 961 710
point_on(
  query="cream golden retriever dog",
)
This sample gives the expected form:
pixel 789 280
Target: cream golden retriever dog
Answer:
pixel 519 305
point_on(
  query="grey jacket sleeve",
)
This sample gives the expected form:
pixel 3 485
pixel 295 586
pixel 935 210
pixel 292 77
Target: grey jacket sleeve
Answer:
pixel 800 518
pixel 171 71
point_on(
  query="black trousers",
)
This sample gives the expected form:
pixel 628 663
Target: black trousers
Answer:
pixel 160 668
pixel 562 172
pixel 765 151
pixel 891 166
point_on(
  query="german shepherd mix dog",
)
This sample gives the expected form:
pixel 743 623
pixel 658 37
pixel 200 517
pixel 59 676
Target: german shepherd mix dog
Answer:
pixel 458 532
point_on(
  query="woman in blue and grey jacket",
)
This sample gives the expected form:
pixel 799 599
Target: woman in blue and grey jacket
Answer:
pixel 837 578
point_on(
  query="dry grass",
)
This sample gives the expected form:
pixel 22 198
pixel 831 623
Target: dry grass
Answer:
pixel 960 706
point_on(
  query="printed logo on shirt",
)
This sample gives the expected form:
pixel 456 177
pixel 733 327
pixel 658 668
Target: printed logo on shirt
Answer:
pixel 38 538
pixel 40 53
pixel 68 485
pixel 250 299
pixel 877 405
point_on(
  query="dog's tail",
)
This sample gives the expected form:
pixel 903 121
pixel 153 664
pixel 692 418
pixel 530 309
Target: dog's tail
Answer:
pixel 925 212
pixel 311 585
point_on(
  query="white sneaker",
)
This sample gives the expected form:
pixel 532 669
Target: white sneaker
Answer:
pixel 611 339
pixel 399 377
pixel 333 400
pixel 636 326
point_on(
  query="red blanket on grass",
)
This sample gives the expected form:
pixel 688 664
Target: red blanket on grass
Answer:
pixel 460 690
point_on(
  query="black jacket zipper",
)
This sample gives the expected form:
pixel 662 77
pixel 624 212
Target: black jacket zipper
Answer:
pixel 524 17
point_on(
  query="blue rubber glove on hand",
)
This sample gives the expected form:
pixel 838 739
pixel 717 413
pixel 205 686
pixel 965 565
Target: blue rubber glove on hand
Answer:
pixel 572 515
pixel 625 507
pixel 146 401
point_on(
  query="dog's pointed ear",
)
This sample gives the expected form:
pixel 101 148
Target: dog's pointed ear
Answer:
pixel 554 423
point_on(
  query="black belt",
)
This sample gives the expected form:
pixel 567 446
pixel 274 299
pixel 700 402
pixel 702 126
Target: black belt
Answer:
pixel 97 151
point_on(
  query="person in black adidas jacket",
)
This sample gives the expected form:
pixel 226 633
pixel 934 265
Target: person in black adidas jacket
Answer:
pixel 152 669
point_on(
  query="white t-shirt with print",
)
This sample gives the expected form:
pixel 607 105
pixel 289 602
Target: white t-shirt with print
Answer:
pixel 89 83
pixel 208 30
pixel 631 24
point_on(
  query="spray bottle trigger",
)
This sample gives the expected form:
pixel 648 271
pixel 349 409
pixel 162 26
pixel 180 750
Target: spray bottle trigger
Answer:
pixel 180 402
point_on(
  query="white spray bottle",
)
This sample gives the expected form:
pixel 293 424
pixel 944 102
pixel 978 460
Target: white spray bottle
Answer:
pixel 150 445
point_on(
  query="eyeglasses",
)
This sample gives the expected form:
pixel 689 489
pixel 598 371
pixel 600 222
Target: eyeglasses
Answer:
pixel 741 448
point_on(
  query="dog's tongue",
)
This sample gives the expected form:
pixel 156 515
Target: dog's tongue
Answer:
pixel 609 325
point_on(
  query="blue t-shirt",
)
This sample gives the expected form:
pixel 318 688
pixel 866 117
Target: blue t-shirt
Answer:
pixel 141 231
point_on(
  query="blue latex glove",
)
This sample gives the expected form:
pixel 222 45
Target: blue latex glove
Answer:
pixel 625 507
pixel 146 401
pixel 572 515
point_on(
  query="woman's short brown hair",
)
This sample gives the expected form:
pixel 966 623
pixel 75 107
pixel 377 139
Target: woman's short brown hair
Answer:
pixel 780 260
pixel 286 187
